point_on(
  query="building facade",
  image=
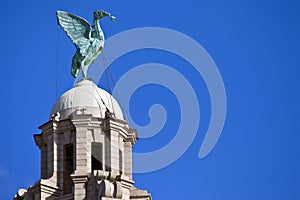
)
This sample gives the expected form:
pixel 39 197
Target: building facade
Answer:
pixel 86 150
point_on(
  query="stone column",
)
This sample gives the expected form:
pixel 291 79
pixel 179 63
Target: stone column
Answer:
pixel 43 162
pixel 111 146
pixel 81 122
pixel 50 155
pixel 55 157
pixel 128 159
pixel 80 177
pixel 114 145
pixel 81 151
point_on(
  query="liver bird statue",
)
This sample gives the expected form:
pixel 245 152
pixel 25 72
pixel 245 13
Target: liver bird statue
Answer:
pixel 88 40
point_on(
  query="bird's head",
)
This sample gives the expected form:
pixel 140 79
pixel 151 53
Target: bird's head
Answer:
pixel 99 14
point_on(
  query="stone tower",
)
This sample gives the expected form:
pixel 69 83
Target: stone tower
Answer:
pixel 86 150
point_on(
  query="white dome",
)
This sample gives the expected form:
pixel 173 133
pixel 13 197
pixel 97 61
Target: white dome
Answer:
pixel 86 95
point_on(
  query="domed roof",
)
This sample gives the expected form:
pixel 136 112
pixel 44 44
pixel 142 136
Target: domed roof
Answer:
pixel 86 95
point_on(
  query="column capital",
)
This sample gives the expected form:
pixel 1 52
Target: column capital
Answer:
pixel 79 178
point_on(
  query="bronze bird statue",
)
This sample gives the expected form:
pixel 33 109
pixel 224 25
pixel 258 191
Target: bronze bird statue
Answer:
pixel 88 40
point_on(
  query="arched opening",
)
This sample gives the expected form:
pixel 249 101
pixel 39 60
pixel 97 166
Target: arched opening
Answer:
pixel 68 168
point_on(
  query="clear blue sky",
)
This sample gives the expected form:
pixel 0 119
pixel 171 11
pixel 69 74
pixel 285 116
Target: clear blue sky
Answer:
pixel 256 46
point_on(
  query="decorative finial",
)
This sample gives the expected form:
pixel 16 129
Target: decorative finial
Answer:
pixel 88 40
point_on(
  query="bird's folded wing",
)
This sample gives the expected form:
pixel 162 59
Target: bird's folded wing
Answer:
pixel 85 46
pixel 90 46
pixel 77 28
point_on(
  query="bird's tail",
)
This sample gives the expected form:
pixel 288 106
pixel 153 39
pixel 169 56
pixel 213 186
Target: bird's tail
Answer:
pixel 76 64
pixel 75 67
pixel 75 70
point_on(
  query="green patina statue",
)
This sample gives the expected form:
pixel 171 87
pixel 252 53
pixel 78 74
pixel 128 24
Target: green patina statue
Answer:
pixel 89 40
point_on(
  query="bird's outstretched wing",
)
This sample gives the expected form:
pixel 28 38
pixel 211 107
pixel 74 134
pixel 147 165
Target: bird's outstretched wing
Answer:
pixel 77 28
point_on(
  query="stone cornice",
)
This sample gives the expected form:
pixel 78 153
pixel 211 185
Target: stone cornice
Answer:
pixel 45 187
pixel 122 127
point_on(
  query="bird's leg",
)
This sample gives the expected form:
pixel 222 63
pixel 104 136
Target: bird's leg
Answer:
pixel 83 70
pixel 83 74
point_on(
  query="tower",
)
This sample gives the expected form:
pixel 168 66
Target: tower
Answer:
pixel 86 150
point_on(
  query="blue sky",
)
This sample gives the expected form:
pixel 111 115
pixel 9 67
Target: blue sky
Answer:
pixel 256 46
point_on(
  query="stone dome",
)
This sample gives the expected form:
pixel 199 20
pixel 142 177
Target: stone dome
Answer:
pixel 86 95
